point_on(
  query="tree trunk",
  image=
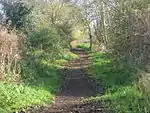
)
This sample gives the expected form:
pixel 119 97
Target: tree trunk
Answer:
pixel 91 39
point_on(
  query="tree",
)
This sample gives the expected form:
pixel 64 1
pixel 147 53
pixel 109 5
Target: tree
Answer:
pixel 62 16
pixel 16 13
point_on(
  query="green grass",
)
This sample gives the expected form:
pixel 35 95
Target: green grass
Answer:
pixel 39 83
pixel 35 90
pixel 84 46
pixel 13 96
pixel 121 85
pixel 68 56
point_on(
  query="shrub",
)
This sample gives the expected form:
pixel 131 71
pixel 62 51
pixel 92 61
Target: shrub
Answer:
pixel 128 31
pixel 46 40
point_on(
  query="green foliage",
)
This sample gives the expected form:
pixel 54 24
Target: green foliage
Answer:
pixel 47 40
pixel 38 85
pixel 17 13
pixel 69 56
pixel 61 16
pixel 83 46
pixel 39 80
pixel 78 33
pixel 122 28
pixel 14 97
pixel 65 31
pixel 126 30
pixel 121 85
pixel 48 29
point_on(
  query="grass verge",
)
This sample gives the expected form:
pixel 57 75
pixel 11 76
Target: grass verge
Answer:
pixel 38 85
pixel 122 93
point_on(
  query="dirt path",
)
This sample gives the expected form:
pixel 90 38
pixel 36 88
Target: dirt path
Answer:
pixel 74 90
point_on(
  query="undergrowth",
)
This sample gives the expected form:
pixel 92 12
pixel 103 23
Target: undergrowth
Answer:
pixel 69 56
pixel 83 46
pixel 38 85
pixel 122 94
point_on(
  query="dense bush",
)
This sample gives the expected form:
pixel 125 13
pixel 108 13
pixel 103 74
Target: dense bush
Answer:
pixel 47 40
pixel 127 31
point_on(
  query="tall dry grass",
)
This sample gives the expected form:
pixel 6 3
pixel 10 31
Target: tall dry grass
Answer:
pixel 10 50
